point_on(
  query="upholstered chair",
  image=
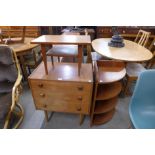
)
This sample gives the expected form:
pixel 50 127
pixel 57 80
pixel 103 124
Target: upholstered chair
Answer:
pixel 11 112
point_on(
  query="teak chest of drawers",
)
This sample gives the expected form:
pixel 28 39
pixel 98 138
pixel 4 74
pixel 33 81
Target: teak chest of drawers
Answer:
pixel 62 90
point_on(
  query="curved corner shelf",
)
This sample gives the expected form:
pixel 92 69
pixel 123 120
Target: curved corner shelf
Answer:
pixel 108 73
pixel 108 91
pixel 103 118
pixel 103 106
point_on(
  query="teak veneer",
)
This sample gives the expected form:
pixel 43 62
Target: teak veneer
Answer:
pixel 108 74
pixel 62 90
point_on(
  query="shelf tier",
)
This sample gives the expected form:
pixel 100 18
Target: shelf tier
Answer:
pixel 103 118
pixel 109 71
pixel 103 106
pixel 108 91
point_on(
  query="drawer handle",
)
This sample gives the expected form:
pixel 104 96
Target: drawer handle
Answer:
pixel 80 98
pixel 79 109
pixel 40 85
pixel 42 95
pixel 45 106
pixel 80 88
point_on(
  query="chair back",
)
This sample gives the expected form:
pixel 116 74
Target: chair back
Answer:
pixel 142 37
pixel 8 69
pixel 143 100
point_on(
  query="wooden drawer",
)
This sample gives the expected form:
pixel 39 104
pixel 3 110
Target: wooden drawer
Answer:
pixel 60 96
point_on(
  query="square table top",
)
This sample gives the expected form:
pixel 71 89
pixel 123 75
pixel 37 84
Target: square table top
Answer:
pixel 63 39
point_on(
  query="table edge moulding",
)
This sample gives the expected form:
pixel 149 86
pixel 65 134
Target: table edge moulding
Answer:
pixel 131 52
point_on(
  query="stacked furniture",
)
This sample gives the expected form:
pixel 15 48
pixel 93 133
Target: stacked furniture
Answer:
pixel 8 37
pixel 15 31
pixel 79 40
pixel 108 74
pixel 62 90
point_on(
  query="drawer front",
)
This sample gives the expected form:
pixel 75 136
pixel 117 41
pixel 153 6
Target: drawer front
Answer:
pixel 62 96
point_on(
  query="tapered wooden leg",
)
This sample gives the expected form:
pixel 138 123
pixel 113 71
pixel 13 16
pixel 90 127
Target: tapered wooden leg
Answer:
pixel 79 58
pixel 89 57
pixel 22 62
pixel 52 61
pixel 81 118
pixel 46 115
pixel 58 59
pixel 43 51
pixel 126 90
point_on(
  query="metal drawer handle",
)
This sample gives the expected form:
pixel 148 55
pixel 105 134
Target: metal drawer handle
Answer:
pixel 42 95
pixel 80 98
pixel 80 87
pixel 40 85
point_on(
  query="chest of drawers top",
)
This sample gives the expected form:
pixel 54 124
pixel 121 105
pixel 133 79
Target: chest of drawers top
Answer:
pixel 63 72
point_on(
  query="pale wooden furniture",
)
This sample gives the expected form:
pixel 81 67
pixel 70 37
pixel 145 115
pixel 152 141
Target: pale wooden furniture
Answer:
pixel 62 90
pixel 134 69
pixel 108 74
pixel 69 51
pixel 11 88
pixel 79 40
pixel 22 49
pixel 131 52
pixel 142 37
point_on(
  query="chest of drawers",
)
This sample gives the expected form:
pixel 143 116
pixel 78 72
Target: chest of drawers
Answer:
pixel 62 90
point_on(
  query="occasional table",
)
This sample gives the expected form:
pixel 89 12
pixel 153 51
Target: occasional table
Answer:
pixel 80 40
pixel 21 49
pixel 131 52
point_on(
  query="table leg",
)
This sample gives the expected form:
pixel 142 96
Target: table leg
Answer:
pixel 79 58
pixel 46 115
pixel 81 118
pixel 43 51
pixel 22 62
pixel 89 57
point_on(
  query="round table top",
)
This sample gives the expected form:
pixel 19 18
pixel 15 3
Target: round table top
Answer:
pixel 131 52
pixel 22 47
